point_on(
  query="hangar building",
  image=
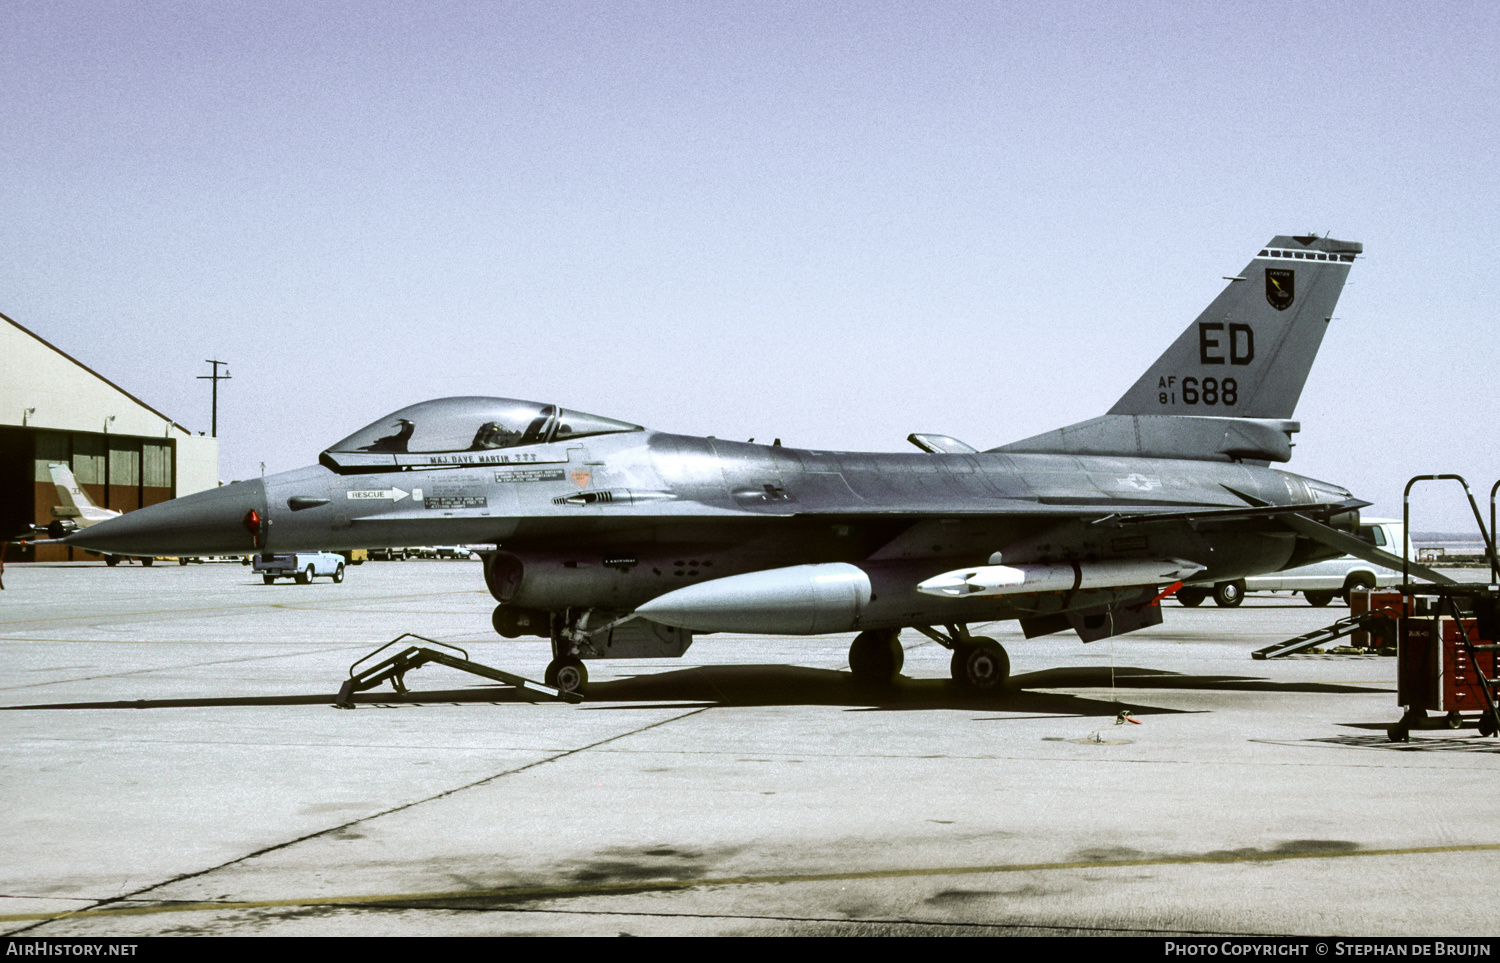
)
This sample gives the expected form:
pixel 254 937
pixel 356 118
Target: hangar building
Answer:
pixel 124 453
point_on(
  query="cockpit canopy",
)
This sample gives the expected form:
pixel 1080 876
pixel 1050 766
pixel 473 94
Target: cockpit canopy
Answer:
pixel 462 431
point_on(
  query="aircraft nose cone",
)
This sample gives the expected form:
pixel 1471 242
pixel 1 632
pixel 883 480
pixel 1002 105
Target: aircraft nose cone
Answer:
pixel 208 523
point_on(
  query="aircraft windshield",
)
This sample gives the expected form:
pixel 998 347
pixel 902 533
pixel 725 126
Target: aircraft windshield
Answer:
pixel 466 426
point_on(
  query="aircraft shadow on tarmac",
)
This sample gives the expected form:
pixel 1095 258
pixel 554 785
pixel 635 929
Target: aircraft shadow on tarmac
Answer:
pixel 771 685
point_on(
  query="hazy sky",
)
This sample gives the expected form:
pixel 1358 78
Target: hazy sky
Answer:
pixel 830 223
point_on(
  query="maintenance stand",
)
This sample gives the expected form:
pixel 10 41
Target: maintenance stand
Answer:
pixel 1444 634
pixel 394 669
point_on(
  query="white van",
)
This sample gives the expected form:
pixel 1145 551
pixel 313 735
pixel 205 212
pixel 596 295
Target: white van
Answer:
pixel 1322 582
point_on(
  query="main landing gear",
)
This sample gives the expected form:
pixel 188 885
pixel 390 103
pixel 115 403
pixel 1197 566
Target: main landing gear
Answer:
pixel 978 664
pixel 876 656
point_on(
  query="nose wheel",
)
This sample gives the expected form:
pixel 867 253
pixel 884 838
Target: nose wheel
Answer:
pixel 567 674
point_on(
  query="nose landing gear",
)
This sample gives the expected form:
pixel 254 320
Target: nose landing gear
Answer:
pixel 567 674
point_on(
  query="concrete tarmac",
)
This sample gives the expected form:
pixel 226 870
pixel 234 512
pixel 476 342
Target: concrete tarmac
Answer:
pixel 174 765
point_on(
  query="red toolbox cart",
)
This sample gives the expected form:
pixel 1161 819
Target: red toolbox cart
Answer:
pixel 1437 672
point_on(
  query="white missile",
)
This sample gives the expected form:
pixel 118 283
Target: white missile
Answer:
pixel 1028 577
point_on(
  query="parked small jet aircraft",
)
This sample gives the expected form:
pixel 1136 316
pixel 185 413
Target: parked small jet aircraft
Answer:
pixel 74 511
pixel 616 541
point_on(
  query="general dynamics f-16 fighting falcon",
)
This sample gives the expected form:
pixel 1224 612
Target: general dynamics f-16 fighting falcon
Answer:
pixel 618 541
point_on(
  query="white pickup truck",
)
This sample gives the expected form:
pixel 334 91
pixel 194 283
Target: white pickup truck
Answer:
pixel 1322 582
pixel 302 566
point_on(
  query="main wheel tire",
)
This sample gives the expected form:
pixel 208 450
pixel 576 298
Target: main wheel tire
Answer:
pixel 1318 599
pixel 568 674
pixel 268 579
pixel 1229 595
pixel 148 561
pixel 980 665
pixel 111 560
pixel 1191 597
pixel 338 574
pixel 876 656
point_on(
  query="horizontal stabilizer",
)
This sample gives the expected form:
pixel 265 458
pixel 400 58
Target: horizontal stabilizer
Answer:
pixel 1359 548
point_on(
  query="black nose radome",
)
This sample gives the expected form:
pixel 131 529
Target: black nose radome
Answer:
pixel 208 523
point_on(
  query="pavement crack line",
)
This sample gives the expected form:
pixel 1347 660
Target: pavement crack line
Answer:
pixel 103 907
pixel 435 900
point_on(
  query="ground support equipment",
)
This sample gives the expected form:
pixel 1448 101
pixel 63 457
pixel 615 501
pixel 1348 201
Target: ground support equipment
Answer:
pixel 1446 649
pixel 1446 659
pixel 412 657
pixel 1377 622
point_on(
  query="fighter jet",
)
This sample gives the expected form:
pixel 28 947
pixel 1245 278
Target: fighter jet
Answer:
pixel 74 511
pixel 619 541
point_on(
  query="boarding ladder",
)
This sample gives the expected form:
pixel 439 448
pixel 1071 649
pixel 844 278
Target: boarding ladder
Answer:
pixel 1366 621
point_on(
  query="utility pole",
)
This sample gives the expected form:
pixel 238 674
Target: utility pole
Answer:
pixel 216 378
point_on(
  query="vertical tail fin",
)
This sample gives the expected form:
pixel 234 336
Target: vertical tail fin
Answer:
pixel 1248 354
pixel 74 501
pixel 69 495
